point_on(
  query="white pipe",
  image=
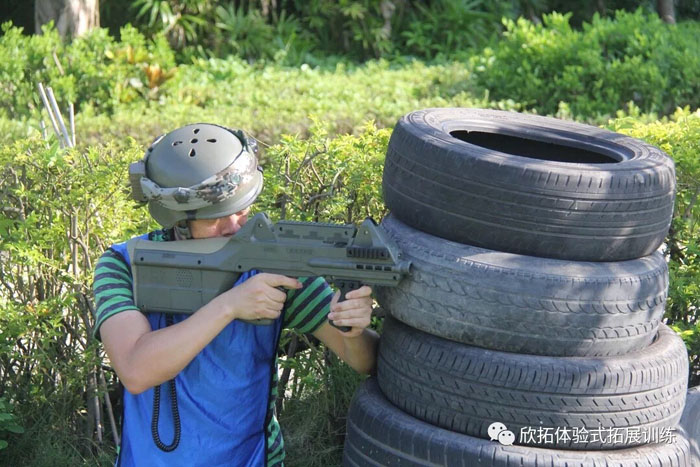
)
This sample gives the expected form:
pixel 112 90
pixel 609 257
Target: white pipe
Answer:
pixel 59 117
pixel 45 100
pixel 71 117
pixel 42 125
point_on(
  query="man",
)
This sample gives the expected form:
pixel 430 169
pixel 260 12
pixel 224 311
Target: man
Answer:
pixel 220 366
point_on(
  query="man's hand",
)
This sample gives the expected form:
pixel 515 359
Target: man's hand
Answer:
pixel 258 297
pixel 358 346
pixel 355 311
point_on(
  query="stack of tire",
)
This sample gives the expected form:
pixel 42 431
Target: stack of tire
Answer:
pixel 529 332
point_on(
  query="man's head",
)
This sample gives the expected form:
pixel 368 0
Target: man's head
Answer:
pixel 199 172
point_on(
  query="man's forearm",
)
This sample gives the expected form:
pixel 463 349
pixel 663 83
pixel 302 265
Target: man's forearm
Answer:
pixel 157 356
pixel 361 352
pixel 144 358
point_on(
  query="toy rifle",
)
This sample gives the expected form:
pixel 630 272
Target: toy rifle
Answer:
pixel 182 276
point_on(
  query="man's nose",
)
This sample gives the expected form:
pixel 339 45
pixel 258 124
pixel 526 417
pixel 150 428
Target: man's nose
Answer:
pixel 231 225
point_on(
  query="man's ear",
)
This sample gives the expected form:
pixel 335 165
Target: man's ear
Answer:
pixel 183 230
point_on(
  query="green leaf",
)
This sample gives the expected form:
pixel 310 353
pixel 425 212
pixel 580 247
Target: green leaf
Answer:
pixel 14 428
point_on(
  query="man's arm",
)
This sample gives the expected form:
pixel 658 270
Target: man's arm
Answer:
pixel 358 346
pixel 144 358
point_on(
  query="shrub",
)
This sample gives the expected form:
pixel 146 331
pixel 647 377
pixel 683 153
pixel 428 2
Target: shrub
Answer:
pixel 357 29
pixel 94 69
pixel 632 57
pixel 181 21
pixel 272 100
pixel 323 179
pixel 8 423
pixel 449 28
pixel 679 137
pixel 131 87
pixel 60 209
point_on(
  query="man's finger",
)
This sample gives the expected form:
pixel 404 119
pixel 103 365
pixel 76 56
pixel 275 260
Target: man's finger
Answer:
pixel 278 295
pixel 352 322
pixel 333 306
pixel 352 313
pixel 364 291
pixel 278 280
pixel 271 313
pixel 336 297
pixel 352 304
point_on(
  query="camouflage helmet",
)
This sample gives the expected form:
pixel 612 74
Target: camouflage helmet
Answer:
pixel 199 171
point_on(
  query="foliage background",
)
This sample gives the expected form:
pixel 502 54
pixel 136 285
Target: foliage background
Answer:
pixel 320 83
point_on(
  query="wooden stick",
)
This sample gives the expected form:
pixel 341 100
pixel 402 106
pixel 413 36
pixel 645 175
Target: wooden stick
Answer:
pixel 110 411
pixel 58 63
pixel 73 244
pixel 284 380
pixel 90 428
pixel 98 408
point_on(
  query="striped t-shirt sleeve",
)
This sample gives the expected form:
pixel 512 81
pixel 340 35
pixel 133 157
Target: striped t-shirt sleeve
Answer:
pixel 112 288
pixel 307 308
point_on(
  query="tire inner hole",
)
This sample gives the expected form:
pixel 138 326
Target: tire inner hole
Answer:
pixel 533 149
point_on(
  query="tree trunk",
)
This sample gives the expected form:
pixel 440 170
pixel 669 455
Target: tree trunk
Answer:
pixel 387 8
pixel 601 8
pixel 71 18
pixel 665 9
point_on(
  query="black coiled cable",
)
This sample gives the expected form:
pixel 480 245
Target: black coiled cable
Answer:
pixel 173 406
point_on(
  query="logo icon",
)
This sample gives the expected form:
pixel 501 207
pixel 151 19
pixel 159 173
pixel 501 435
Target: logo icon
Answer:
pixel 498 432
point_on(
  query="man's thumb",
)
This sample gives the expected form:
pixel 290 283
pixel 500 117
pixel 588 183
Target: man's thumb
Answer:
pixel 278 280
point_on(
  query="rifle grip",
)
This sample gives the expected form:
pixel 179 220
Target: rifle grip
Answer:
pixel 344 287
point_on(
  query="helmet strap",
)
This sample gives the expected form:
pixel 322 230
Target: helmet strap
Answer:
pixel 182 230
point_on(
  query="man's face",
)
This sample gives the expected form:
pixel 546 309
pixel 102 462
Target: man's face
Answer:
pixel 219 227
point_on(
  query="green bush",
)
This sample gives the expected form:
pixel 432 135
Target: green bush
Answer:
pixel 94 69
pixel 181 21
pixel 296 31
pixel 679 137
pixel 314 416
pixel 132 87
pixel 60 209
pixel 449 28
pixel 288 33
pixel 8 423
pixel 272 100
pixel 632 57
pixel 324 179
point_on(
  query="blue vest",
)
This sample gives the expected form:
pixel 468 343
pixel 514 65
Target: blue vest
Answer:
pixel 223 396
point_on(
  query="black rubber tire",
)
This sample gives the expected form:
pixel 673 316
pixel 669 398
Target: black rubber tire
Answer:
pixel 465 389
pixel 689 425
pixel 379 434
pixel 525 304
pixel 582 210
